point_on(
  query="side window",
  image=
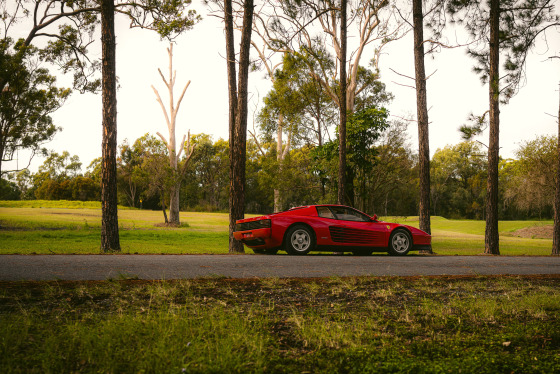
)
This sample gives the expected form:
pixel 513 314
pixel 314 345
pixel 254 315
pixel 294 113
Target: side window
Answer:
pixel 324 212
pixel 346 214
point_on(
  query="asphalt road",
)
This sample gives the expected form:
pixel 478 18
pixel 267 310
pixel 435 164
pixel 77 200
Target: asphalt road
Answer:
pixel 101 267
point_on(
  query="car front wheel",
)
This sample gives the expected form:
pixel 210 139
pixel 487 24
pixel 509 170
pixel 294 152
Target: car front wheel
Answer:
pixel 299 240
pixel 400 242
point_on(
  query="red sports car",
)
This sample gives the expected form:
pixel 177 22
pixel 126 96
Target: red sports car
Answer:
pixel 335 228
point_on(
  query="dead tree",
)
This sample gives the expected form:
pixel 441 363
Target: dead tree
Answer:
pixel 174 154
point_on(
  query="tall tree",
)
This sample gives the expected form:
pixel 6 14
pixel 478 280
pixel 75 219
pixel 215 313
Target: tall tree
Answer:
pixel 422 116
pixel 510 27
pixel 556 234
pixel 272 70
pixel 491 238
pixel 174 155
pixel 109 214
pixel 237 114
pixel 343 106
pixel 312 30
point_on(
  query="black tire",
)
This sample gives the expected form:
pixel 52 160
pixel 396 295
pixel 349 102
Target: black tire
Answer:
pixel 299 240
pixel 362 252
pixel 400 242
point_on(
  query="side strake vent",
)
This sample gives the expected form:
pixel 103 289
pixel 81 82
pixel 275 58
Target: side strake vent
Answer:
pixel 351 235
pixel 253 225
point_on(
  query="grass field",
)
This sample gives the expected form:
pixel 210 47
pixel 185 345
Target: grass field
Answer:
pixel 42 227
pixel 335 325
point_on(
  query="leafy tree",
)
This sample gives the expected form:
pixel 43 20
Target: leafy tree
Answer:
pixel 206 180
pixel 510 27
pixel 457 185
pixel 293 29
pixel 391 187
pixel 533 184
pixel 144 174
pixel 28 98
pixel 9 190
pixel 364 128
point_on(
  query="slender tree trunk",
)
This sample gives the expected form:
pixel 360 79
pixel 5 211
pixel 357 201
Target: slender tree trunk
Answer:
pixel 238 115
pixel 109 214
pixel 343 94
pixel 164 208
pixel 174 204
pixel 422 114
pixel 556 236
pixel 279 158
pixel 492 245
pixel 234 246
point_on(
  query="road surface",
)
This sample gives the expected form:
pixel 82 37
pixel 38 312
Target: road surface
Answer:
pixel 102 267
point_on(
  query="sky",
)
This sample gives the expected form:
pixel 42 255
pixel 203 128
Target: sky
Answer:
pixel 453 92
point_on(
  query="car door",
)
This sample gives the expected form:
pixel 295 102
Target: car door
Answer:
pixel 354 228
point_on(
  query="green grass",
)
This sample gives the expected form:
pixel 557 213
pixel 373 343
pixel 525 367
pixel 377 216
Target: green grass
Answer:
pixel 66 204
pixel 67 227
pixel 466 237
pixel 351 325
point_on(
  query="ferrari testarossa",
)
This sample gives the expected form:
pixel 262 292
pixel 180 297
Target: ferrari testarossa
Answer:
pixel 335 228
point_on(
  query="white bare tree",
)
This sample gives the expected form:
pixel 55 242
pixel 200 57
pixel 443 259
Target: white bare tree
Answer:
pixel 174 154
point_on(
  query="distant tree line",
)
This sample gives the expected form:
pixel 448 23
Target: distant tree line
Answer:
pixel 385 178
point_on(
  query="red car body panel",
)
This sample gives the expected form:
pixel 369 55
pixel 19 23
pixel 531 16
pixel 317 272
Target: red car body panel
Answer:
pixel 330 233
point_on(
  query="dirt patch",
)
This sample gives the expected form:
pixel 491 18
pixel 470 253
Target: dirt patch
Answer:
pixel 534 232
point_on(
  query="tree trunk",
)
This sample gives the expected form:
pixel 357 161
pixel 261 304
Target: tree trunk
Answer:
pixel 174 204
pixel 556 236
pixel 343 94
pixel 234 245
pixel 163 209
pixel 109 214
pixel 170 118
pixel 238 115
pixel 422 114
pixel 279 158
pixel 492 245
pixel 281 153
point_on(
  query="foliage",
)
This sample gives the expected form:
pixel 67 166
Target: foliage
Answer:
pixel 533 182
pixel 458 176
pixel 27 100
pixel 363 129
pixel 521 22
pixel 9 190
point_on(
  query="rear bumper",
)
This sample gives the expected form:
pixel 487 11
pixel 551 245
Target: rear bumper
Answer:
pixel 257 239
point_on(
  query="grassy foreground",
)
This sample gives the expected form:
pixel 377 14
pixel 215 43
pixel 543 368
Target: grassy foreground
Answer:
pixel 60 227
pixel 351 325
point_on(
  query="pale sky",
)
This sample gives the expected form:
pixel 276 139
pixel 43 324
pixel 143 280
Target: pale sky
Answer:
pixel 453 92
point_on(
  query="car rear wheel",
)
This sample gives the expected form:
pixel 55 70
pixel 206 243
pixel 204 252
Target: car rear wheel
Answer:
pixel 299 240
pixel 400 242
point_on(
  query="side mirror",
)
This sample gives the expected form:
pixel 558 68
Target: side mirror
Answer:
pixel 374 217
